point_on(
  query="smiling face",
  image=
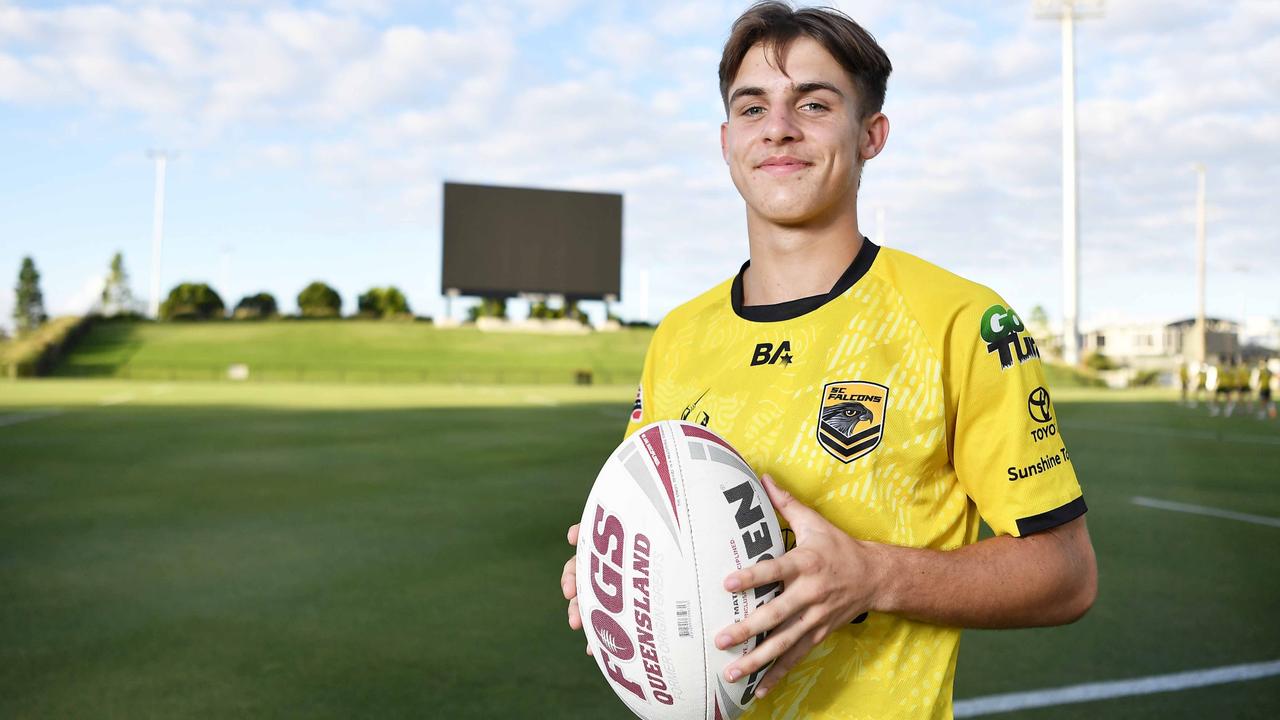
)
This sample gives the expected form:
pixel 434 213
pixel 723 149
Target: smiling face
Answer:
pixel 794 142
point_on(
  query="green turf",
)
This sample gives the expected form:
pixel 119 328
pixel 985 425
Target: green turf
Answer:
pixel 335 550
pixel 351 351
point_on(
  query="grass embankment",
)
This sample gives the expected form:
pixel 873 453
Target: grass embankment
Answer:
pixel 373 351
pixel 352 351
pixel 37 351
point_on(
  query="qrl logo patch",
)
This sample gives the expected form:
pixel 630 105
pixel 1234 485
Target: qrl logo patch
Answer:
pixel 637 410
pixel 851 419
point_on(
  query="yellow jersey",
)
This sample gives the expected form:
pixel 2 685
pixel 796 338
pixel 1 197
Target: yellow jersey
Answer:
pixel 903 405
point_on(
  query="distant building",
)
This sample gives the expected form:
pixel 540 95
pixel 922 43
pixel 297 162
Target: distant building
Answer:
pixel 1163 346
pixel 1260 331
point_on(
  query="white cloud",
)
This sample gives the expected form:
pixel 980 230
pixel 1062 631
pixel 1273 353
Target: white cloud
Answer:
pixel 385 109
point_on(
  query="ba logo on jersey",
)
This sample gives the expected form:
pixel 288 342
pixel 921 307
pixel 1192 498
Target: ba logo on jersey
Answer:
pixel 765 354
pixel 851 419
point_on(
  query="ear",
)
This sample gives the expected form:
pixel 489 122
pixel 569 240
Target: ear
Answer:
pixel 724 141
pixel 875 133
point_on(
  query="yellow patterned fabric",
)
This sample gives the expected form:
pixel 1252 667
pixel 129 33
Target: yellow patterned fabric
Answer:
pixel 903 406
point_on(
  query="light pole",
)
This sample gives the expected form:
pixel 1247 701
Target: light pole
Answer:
pixel 1201 339
pixel 157 229
pixel 1067 12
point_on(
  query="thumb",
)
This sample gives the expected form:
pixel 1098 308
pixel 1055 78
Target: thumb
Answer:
pixel 796 513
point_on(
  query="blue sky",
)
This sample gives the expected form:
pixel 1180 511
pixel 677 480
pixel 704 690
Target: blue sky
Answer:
pixel 313 140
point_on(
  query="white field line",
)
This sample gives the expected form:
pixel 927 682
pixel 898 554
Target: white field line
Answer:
pixel 1203 510
pixel 1089 692
pixel 21 417
pixel 1175 433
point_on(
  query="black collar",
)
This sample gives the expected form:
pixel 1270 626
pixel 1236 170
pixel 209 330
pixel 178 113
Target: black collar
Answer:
pixel 795 308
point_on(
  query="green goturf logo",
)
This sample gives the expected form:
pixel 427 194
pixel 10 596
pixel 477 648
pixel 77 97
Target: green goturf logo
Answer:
pixel 1000 329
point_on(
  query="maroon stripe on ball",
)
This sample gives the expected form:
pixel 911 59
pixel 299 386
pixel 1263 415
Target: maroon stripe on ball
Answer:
pixel 657 452
pixel 695 431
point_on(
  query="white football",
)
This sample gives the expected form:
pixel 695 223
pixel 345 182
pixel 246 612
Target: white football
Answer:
pixel 674 510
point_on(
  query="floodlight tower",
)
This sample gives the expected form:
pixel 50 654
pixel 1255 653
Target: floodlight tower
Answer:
pixel 157 229
pixel 1067 12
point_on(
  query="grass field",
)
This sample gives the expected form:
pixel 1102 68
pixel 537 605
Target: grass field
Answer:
pixel 202 549
pixel 351 351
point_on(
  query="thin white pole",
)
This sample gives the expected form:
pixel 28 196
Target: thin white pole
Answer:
pixel 1201 330
pixel 1070 209
pixel 157 232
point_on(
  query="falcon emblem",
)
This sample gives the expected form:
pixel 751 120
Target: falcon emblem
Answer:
pixel 851 418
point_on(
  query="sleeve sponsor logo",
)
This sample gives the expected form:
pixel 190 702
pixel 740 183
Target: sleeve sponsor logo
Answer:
pixel 1040 408
pixel 1038 405
pixel 1043 465
pixel 851 418
pixel 1005 335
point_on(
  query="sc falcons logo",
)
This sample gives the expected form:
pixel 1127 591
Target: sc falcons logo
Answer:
pixel 851 418
pixel 846 416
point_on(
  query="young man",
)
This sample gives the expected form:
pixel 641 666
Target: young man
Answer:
pixel 888 403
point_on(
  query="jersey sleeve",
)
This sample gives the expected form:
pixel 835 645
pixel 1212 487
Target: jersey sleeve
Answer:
pixel 1007 448
pixel 641 414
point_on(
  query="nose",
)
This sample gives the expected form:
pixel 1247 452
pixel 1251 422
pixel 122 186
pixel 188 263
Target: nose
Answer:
pixel 781 126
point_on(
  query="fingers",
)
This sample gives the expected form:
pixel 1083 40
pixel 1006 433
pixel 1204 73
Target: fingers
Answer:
pixel 785 662
pixel 796 513
pixel 575 619
pixel 762 573
pixel 763 619
pixel 779 641
pixel 569 579
pixel 569 584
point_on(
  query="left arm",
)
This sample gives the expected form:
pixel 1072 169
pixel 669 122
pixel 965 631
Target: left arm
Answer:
pixel 1048 578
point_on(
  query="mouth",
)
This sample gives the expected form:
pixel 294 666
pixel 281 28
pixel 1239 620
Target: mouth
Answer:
pixel 783 165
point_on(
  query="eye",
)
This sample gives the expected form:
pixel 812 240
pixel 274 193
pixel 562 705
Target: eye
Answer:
pixel 813 106
pixel 752 111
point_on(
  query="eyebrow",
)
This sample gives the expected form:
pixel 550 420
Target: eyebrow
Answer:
pixel 801 89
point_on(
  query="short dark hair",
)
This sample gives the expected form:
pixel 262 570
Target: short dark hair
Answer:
pixel 777 25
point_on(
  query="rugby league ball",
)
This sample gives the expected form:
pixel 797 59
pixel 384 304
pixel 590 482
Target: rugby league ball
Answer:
pixel 674 510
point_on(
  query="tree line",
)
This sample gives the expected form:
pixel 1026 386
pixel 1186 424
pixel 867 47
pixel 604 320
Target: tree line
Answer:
pixel 199 301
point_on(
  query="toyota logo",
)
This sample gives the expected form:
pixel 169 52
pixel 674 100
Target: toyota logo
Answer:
pixel 1038 405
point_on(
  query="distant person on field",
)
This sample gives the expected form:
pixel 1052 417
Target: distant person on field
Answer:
pixel 1184 382
pixel 1213 386
pixel 833 364
pixel 1238 392
pixel 1272 388
pixel 1260 382
pixel 1201 377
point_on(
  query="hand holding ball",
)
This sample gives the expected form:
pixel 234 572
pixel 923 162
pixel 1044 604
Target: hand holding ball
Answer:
pixel 673 511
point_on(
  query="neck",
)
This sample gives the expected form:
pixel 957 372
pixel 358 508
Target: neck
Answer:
pixel 792 262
